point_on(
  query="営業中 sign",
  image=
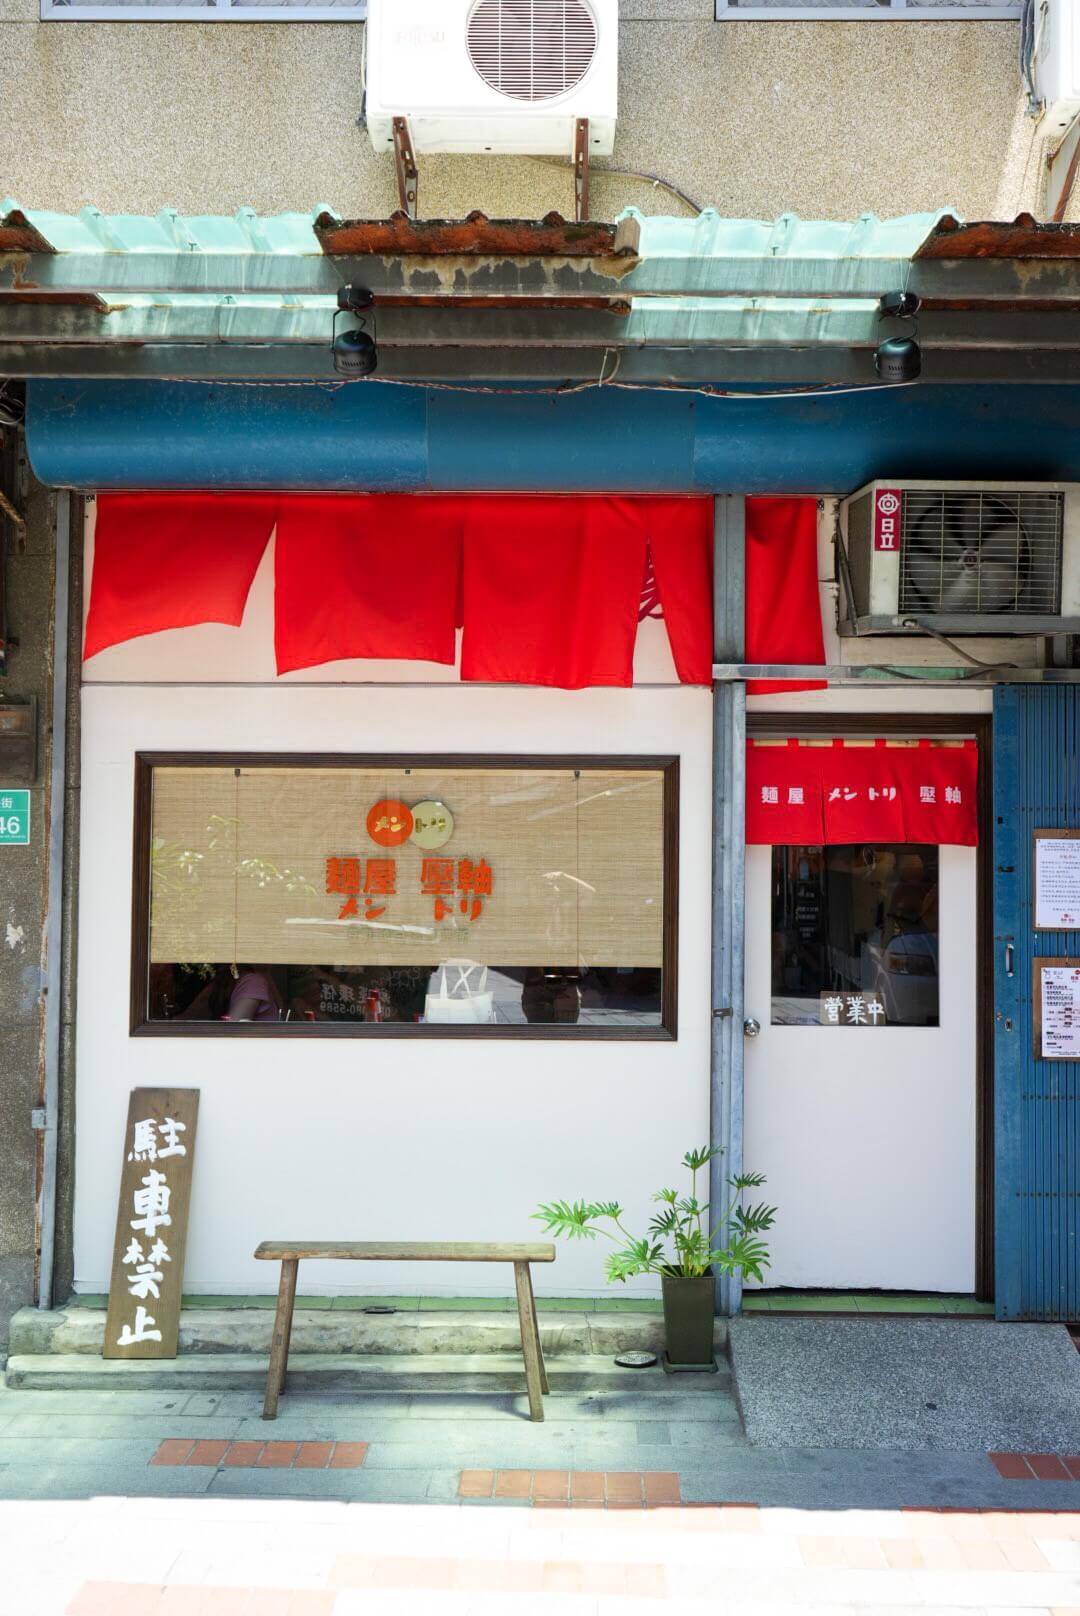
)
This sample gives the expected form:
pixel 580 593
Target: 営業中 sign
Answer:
pixel 1057 880
pixel 852 1010
pixel 151 1224
pixel 14 818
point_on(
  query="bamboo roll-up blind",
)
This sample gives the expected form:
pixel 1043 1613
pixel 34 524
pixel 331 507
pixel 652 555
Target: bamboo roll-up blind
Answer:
pixel 240 867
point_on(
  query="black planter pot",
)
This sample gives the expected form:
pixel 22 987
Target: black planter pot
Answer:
pixel 689 1308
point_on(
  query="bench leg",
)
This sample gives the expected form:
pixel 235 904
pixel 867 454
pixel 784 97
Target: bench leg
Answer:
pixel 279 1347
pixel 544 1387
pixel 530 1341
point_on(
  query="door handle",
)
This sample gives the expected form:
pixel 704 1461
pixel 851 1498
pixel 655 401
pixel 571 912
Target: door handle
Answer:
pixel 751 1026
pixel 1009 956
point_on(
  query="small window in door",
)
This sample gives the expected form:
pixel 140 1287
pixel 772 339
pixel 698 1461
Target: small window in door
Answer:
pixel 858 924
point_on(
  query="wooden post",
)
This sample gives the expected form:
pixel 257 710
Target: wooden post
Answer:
pixel 544 1387
pixel 279 1347
pixel 530 1341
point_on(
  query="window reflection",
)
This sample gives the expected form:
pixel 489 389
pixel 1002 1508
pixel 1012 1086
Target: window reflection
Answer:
pixel 462 992
pixel 855 919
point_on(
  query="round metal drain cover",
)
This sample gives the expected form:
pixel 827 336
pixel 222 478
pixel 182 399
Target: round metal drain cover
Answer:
pixel 379 1310
pixel 636 1360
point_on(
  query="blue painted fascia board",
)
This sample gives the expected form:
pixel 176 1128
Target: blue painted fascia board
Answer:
pixel 152 434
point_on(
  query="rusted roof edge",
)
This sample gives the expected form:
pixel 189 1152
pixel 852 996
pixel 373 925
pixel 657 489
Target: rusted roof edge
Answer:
pixel 476 236
pixel 1023 237
pixel 17 234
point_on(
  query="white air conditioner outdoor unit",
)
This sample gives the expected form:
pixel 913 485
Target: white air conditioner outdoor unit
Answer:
pixel 492 75
pixel 960 558
pixel 1056 62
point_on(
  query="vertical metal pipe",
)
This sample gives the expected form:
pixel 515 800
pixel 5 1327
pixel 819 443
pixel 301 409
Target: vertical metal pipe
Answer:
pixel 54 927
pixel 729 860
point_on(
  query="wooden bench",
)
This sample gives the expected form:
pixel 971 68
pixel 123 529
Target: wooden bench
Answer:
pixel 289 1254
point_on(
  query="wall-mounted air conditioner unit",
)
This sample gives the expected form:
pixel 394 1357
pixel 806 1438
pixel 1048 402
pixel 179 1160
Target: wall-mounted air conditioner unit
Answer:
pixel 961 558
pixel 1056 62
pixel 492 75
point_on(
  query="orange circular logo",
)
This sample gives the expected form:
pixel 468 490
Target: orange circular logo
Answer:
pixel 390 823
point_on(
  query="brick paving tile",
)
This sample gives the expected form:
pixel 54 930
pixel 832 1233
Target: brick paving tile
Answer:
pixel 207 1453
pixel 902 1554
pixel 983 1557
pixel 565 1577
pixel 498 1576
pixel 476 1483
pixel 1023 1555
pixel 939 1555
pixel 587 1486
pixel 313 1456
pixel 399 1572
pixel 243 1454
pixel 348 1455
pixel 662 1487
pixel 277 1456
pixel 105 1598
pixel 623 1487
pixel 549 1485
pixel 646 1581
pixel 513 1484
pixel 822 1551
pixel 863 1554
pixel 1012 1466
pixel 174 1451
pixel 1048 1467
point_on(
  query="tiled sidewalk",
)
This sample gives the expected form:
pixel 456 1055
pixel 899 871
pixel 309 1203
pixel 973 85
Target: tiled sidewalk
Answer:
pixel 134 1557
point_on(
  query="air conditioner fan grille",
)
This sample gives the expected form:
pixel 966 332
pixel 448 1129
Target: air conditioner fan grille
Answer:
pixel 995 551
pixel 531 50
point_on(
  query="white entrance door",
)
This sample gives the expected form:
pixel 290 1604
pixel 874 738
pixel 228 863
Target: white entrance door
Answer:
pixel 866 1133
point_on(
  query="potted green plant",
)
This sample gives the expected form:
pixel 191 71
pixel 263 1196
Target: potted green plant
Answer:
pixel 684 1246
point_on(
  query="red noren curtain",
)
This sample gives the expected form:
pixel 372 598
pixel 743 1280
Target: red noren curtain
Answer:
pixel 551 590
pixel 173 561
pixel 548 590
pixel 370 575
pixel 783 605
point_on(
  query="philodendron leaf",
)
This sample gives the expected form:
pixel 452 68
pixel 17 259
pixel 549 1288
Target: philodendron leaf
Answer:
pixel 754 1219
pixel 695 1159
pixel 570 1218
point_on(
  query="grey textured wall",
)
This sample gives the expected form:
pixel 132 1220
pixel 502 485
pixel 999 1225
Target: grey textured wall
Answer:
pixel 29 578
pixel 824 119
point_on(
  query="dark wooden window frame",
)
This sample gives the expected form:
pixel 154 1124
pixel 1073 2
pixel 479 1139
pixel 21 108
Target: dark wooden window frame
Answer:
pixel 147 762
pixel 980 725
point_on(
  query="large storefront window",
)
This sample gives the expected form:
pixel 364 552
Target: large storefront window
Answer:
pixel 855 935
pixel 398 897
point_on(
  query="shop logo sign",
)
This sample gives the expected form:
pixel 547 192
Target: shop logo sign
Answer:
pixel 887 504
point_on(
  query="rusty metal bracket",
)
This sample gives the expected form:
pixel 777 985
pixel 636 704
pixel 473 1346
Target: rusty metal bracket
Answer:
pixel 581 169
pixel 11 513
pixel 408 179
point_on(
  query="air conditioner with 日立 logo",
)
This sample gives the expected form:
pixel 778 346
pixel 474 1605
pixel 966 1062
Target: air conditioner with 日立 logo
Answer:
pixel 492 75
pixel 960 558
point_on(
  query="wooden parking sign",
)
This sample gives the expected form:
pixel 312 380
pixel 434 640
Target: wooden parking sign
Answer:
pixel 143 1320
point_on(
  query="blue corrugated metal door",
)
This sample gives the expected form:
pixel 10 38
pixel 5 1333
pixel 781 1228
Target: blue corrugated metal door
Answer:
pixel 1036 1102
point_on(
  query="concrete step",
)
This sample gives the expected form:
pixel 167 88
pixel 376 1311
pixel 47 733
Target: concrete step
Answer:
pixel 77 1331
pixel 322 1371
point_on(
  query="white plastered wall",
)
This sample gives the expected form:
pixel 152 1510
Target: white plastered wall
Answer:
pixel 399 1138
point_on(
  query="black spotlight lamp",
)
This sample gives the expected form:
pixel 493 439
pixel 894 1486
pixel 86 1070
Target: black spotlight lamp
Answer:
pixel 899 359
pixel 354 350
